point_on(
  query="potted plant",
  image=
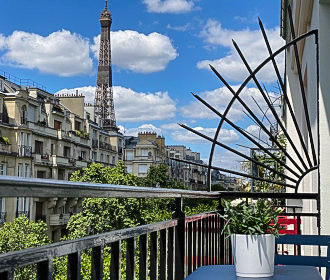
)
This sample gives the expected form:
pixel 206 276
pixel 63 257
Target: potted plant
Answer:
pixel 252 228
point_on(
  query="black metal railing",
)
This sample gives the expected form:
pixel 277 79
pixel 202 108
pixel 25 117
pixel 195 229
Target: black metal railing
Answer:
pixel 167 250
pixel 25 151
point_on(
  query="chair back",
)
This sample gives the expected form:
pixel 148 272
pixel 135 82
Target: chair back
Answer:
pixel 312 240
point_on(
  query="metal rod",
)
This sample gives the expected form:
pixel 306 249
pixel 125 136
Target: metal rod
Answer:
pixel 237 173
pixel 302 88
pixel 264 114
pixel 245 134
pixel 280 50
pixel 269 105
pixel 257 120
pixel 237 153
pixel 301 139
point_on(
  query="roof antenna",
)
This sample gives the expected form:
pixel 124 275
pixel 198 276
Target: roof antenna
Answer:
pixel 106 4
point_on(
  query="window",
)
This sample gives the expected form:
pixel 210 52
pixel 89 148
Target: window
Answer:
pixel 23 205
pixel 83 154
pixel 143 168
pixel 129 155
pixel 129 169
pixel 3 169
pixel 20 170
pixel 66 151
pixel 23 115
pixel 38 147
pixel 77 125
pixel 144 152
pixel 113 160
pixel 52 149
pixel 94 156
pixel 101 158
pixel 27 170
pixel 57 125
pixel 108 159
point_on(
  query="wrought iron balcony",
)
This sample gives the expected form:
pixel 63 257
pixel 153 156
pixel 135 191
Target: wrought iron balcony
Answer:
pixel 2 217
pixel 26 213
pixel 24 151
pixel 177 247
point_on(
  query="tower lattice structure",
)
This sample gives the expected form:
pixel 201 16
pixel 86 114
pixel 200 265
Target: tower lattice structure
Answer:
pixel 104 104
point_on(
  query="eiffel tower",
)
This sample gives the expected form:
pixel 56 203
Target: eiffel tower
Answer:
pixel 104 105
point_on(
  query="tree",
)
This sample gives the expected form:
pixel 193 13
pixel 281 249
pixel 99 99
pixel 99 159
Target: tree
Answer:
pixel 22 234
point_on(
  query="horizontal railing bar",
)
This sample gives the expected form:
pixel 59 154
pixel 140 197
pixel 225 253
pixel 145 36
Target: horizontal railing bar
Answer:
pixel 32 187
pixel 43 253
pixel 300 214
pixel 268 195
pixel 200 216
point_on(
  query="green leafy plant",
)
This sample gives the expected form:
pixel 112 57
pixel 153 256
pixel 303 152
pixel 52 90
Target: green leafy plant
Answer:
pixel 254 218
pixel 4 140
pixel 81 134
pixel 22 234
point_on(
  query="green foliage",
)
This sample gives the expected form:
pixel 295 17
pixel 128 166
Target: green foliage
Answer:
pixel 257 217
pixel 106 214
pixel 22 234
pixel 4 140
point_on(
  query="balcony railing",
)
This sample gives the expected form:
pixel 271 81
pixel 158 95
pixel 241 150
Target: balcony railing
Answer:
pixel 58 219
pixel 25 213
pixel 24 151
pixel 105 146
pixel 2 217
pixel 177 247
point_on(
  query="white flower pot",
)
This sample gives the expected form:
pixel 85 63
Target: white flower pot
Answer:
pixel 253 255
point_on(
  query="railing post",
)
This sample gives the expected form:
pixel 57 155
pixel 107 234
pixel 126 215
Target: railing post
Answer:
pixel 222 238
pixel 45 270
pixel 180 240
pixel 74 266
pixel 97 263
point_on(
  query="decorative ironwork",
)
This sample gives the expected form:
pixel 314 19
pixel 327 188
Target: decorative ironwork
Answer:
pixel 104 105
pixel 297 164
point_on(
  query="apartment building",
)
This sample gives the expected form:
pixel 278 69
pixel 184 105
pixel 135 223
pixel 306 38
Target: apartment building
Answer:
pixel 49 137
pixel 143 151
pixel 192 176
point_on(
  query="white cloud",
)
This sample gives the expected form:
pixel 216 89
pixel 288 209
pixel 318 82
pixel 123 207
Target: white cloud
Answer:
pixel 134 106
pixel 142 128
pixel 62 53
pixel 252 45
pixel 170 126
pixel 2 41
pixel 169 6
pixel 219 99
pixel 181 28
pixel 139 52
pixel 183 135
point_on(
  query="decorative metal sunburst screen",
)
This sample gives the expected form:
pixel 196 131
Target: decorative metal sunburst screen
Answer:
pixel 303 155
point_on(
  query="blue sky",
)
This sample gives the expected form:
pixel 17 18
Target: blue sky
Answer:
pixel 161 50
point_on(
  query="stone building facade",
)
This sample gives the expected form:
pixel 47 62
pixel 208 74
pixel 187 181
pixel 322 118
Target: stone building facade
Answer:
pixel 192 176
pixel 143 151
pixel 49 137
